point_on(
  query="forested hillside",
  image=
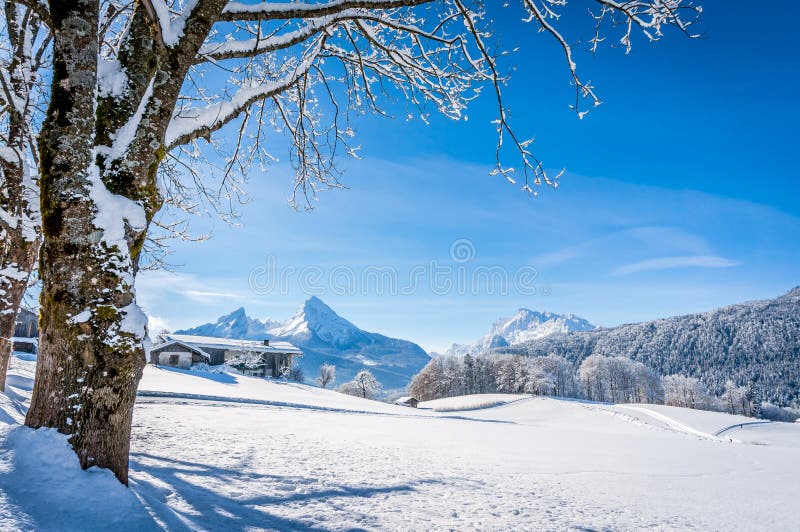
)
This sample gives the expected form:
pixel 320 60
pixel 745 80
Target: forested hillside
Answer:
pixel 758 341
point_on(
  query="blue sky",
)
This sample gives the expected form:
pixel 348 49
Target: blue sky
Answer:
pixel 681 194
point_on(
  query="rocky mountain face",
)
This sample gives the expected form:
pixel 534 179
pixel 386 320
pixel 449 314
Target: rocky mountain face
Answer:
pixel 756 341
pixel 525 325
pixel 237 325
pixel 326 337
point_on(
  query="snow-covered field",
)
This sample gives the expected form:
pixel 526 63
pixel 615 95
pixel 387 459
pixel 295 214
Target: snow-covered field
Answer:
pixel 213 452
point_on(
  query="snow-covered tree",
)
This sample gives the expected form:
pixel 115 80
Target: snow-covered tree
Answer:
pixel 247 360
pixel 619 380
pixel 593 376
pixel 562 373
pixel 735 399
pixel 647 385
pixel 538 381
pixel 687 392
pixel 753 398
pixel 24 47
pixel 510 376
pixel 137 86
pixel 327 375
pixel 363 385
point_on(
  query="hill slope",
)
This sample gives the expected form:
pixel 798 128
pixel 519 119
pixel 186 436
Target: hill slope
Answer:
pixel 326 337
pixel 758 340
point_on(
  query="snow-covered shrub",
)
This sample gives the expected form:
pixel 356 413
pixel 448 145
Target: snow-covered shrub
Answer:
pixel 292 373
pixel 776 413
pixel 296 374
pixel 246 360
pixel 205 368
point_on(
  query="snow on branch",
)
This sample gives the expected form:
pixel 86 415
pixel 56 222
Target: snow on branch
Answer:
pixel 171 28
pixel 305 69
pixel 650 16
pixel 282 11
pixel 193 123
pixel 232 49
pixel 40 7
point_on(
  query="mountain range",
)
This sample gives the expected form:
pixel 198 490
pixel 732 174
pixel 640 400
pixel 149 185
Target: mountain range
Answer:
pixel 756 341
pixel 326 337
pixel 524 326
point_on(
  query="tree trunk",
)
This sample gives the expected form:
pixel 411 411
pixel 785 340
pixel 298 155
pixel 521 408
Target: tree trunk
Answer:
pixel 97 199
pixel 19 246
pixel 91 331
pixel 20 234
pixel 12 288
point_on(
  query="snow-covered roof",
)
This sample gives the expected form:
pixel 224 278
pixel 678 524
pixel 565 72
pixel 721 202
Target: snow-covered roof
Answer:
pixel 257 346
pixel 405 400
pixel 186 345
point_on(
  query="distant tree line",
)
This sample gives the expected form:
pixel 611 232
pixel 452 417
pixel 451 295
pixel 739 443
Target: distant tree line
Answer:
pixel 598 378
pixel 756 341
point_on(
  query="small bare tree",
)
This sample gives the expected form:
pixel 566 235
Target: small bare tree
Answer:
pixel 327 375
pixel 142 84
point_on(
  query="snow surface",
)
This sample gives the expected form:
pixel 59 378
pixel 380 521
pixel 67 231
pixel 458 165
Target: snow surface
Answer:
pixel 298 457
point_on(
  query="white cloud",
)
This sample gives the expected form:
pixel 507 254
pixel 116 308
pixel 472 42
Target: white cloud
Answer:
pixel 669 263
pixel 156 324
pixel 203 295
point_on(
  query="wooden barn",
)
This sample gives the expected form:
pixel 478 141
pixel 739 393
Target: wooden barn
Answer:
pixel 26 331
pixel 407 401
pixel 256 358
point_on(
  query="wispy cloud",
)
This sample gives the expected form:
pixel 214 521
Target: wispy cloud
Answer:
pixel 159 288
pixel 207 294
pixel 669 263
pixel 647 238
pixel 556 257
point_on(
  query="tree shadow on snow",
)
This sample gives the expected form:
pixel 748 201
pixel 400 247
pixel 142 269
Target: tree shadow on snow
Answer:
pixel 183 495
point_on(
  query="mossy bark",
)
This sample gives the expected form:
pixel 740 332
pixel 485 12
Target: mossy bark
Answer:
pixel 88 366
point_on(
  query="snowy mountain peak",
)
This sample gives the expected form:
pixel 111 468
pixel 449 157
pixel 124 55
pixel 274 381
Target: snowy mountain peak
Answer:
pixel 326 337
pixel 315 302
pixel 236 324
pixel 528 321
pixel 317 312
pixel 315 320
pixel 523 326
